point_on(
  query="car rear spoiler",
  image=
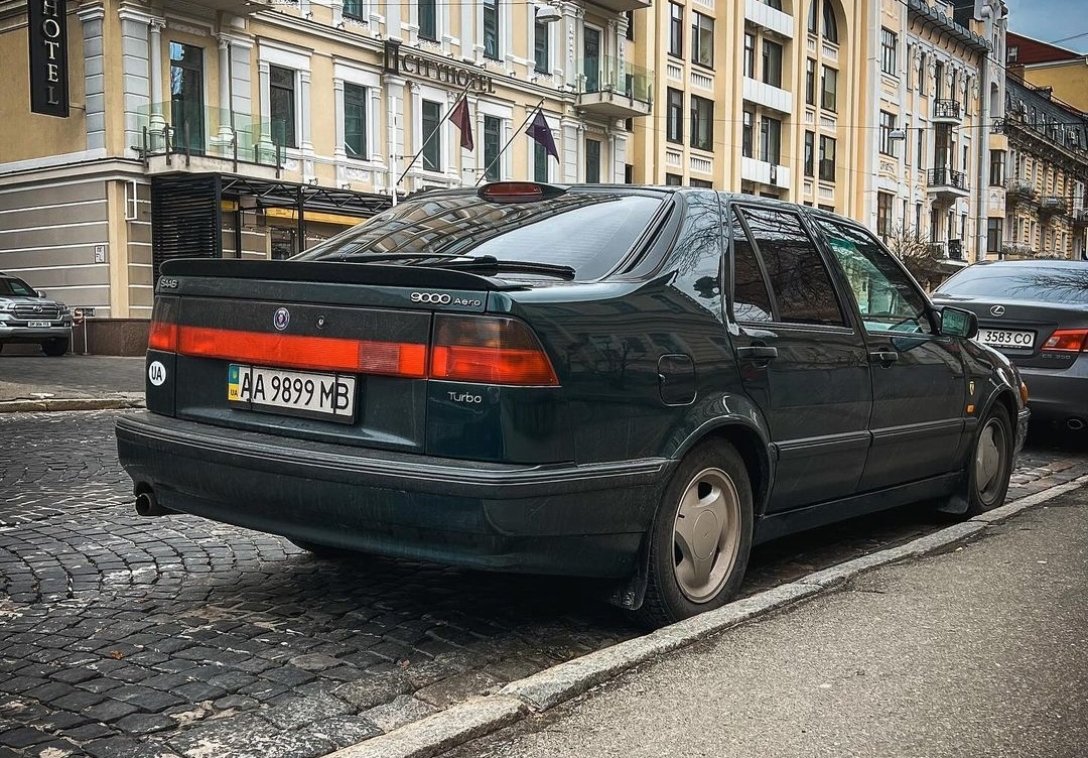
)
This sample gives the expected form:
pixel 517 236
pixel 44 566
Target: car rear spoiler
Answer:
pixel 337 272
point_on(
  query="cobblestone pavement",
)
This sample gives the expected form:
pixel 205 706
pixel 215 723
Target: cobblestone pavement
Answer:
pixel 26 375
pixel 122 636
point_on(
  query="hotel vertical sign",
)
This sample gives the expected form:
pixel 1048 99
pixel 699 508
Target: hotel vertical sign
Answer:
pixel 48 35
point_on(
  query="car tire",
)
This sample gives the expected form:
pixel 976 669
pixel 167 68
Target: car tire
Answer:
pixel 56 347
pixel 701 537
pixel 990 463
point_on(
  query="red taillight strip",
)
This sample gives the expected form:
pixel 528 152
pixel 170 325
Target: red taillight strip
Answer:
pixel 296 351
pixel 1067 341
pixel 163 336
pixel 492 365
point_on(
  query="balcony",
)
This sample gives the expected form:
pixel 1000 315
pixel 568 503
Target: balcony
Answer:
pixel 764 172
pixel 950 252
pixel 1020 189
pixel 768 95
pixel 622 6
pixel 761 14
pixel 237 7
pixel 946 182
pixel 1080 217
pixel 1053 204
pixel 615 90
pixel 947 112
pixel 1017 250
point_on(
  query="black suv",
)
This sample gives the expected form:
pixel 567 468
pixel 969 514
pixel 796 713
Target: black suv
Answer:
pixel 609 381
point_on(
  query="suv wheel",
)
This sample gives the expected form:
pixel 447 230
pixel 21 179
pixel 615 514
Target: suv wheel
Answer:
pixel 701 537
pixel 55 347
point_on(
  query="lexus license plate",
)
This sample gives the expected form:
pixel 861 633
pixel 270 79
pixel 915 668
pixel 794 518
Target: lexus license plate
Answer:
pixel 1007 338
pixel 297 393
pixel 38 324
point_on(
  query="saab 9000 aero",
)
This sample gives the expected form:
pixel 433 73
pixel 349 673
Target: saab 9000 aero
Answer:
pixel 604 381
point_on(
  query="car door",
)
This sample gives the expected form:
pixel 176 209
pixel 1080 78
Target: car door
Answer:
pixel 919 381
pixel 800 356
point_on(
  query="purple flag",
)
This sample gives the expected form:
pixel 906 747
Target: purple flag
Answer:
pixel 540 132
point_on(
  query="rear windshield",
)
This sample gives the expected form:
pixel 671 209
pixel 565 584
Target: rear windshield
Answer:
pixel 1065 284
pixel 14 286
pixel 588 231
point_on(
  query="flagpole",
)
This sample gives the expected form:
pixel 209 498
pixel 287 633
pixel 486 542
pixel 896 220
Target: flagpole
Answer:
pixel 531 115
pixel 433 132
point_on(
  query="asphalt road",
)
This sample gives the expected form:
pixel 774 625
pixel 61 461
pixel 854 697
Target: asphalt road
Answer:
pixel 977 652
pixel 176 636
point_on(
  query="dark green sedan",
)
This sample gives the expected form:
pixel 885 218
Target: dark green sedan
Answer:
pixel 607 381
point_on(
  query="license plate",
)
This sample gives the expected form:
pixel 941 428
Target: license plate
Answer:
pixel 38 324
pixel 1006 338
pixel 297 393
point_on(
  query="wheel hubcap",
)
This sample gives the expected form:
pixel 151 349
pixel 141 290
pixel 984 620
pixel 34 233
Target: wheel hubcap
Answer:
pixel 990 461
pixel 706 535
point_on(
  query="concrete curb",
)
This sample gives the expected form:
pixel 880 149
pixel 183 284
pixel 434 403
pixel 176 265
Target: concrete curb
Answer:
pixel 70 404
pixel 565 681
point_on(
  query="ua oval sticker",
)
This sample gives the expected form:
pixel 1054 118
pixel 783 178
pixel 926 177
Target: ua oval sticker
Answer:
pixel 156 372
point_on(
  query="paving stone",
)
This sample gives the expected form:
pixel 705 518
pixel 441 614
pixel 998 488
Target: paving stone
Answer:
pixel 289 675
pixel 77 701
pixel 248 737
pixel 23 736
pixel 343 731
pixel 196 691
pixel 374 689
pixel 399 711
pixel 126 747
pixel 451 691
pixel 315 662
pixel 305 710
pixel 74 675
pixel 110 710
pixel 145 723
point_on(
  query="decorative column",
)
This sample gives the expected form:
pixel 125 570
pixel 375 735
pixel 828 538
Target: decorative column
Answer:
pixel 266 149
pixel 394 127
pixel 468 31
pixel 305 144
pixel 339 151
pixel 94 74
pixel 157 121
pixel 225 136
pixel 569 42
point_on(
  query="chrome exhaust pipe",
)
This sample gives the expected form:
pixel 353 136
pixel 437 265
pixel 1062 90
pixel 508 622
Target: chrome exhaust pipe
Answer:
pixel 148 505
pixel 1075 424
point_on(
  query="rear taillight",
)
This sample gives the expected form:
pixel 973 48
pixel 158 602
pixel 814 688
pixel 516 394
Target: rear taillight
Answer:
pixel 488 349
pixel 163 334
pixel 1067 341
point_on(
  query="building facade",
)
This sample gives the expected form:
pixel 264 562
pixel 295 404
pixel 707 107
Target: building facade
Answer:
pixel 253 129
pixel 1042 64
pixel 1047 170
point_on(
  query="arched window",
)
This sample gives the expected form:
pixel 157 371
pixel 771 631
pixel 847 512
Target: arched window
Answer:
pixel 831 29
pixel 812 28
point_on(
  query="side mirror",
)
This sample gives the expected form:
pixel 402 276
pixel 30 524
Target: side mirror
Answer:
pixel 40 293
pixel 957 322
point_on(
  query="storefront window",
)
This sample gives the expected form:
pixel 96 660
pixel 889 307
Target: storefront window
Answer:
pixel 281 100
pixel 187 96
pixel 355 121
pixel 432 150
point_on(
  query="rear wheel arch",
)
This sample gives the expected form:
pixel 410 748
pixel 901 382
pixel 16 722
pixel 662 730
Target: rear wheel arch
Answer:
pixel 752 446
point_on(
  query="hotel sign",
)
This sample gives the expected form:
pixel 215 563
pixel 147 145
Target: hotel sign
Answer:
pixel 397 62
pixel 48 35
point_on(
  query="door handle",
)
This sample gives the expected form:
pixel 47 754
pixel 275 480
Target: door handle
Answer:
pixel 884 357
pixel 758 353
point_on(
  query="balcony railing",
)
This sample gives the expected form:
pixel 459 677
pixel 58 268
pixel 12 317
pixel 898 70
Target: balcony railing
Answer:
pixel 1020 188
pixel 947 111
pixel 947 178
pixel 212 133
pixel 612 87
pixel 1053 204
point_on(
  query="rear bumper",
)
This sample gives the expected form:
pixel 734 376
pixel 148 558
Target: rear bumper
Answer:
pixel 1058 395
pixel 558 519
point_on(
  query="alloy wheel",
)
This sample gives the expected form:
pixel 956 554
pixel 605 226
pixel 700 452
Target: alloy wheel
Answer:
pixel 706 535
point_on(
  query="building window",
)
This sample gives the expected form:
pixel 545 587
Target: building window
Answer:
pixel 428 21
pixel 831 26
pixel 491 29
pixel 542 47
pixel 906 148
pixel 354 9
pixel 630 25
pixel 772 63
pixel 432 149
pixel 540 163
pixel 827 158
pixel 676 30
pixel 889 45
pixel 829 96
pixel 887 126
pixel 938 80
pixel 746 134
pixel 810 153
pixel 281 105
pixel 921 154
pixel 702 40
pixel 187 96
pixel 997 168
pixel 884 214
pixel 810 82
pixel 702 123
pixel 492 146
pixel 701 184
pixel 770 140
pixel 591 58
pixel 812 10
pixel 674 125
pixel 593 161
pixel 355 121
pixel 750 55
pixel 674 180
pixel 921 73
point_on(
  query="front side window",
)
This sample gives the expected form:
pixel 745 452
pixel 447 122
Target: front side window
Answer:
pixel 750 55
pixel 827 158
pixel 428 20
pixel 432 148
pixel 702 123
pixel 886 297
pixel 888 48
pixel 674 126
pixel 799 278
pixel 702 40
pixel 542 47
pixel 676 30
pixel 772 63
pixel 593 161
pixel 770 140
pixel 187 95
pixel 355 121
pixel 829 96
pixel 281 105
pixel 491 29
pixel 887 126
pixel 492 146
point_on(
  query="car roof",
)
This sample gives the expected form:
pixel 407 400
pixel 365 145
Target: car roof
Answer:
pixel 1032 262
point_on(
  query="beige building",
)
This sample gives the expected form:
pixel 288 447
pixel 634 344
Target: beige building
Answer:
pixel 253 129
pixel 1044 65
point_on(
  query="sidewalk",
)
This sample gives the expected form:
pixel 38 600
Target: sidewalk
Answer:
pixel 31 381
pixel 976 652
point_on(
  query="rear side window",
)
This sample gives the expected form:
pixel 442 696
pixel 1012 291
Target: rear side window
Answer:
pixel 1055 284
pixel 798 276
pixel 588 231
pixel 751 301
